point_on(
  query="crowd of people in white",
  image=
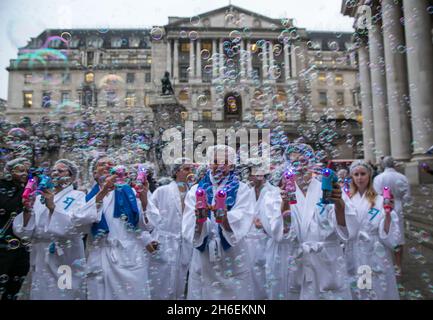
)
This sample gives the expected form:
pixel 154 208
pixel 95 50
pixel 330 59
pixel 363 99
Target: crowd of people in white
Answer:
pixel 125 242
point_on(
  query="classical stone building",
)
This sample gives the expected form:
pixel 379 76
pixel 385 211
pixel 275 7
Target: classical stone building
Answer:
pixel 226 66
pixel 395 49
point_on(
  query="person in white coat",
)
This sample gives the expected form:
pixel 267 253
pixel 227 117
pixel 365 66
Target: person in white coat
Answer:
pixel 320 229
pixel 117 263
pixel 220 268
pixel 57 262
pixel 400 188
pixel 257 238
pixel 169 265
pixel 283 262
pixel 373 235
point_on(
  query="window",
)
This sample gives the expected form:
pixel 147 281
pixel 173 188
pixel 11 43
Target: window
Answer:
pixel 134 42
pixel 66 78
pixel 258 115
pixel 338 79
pixel 90 57
pixel 323 98
pixel 147 77
pixel 89 77
pixel 94 42
pixel 183 95
pixel 207 46
pixel 282 96
pixel 322 78
pixel 257 72
pixel 184 73
pixel 66 96
pixel 130 99
pixel 340 99
pixel 184 47
pixel 281 115
pixel 111 98
pixel 116 42
pixel 207 115
pixel 48 77
pixel 28 99
pixel 130 77
pixel 28 78
pixel 46 99
pixel 355 98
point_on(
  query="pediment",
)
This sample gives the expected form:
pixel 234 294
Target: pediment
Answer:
pixel 226 17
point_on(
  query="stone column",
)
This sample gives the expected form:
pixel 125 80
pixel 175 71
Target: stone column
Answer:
pixel 264 62
pixel 221 52
pixel 378 82
pixel 214 60
pixel 366 104
pixel 250 59
pixel 286 61
pixel 294 69
pixel 396 81
pixel 176 60
pixel 191 61
pixel 271 62
pixel 242 59
pixel 198 59
pixel 420 72
pixel 168 68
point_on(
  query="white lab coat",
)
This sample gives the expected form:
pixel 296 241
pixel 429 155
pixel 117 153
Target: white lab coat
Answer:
pixel 256 240
pixel 168 267
pixel 400 189
pixel 283 265
pixel 217 273
pixel 48 281
pixel 369 245
pixel 117 263
pixel 324 274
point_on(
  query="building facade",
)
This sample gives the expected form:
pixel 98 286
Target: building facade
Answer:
pixel 395 49
pixel 226 66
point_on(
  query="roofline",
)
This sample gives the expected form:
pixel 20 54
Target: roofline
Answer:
pixel 208 13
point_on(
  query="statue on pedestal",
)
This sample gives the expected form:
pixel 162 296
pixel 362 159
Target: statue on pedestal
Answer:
pixel 167 89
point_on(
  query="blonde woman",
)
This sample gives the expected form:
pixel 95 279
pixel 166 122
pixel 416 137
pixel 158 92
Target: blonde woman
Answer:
pixel 373 234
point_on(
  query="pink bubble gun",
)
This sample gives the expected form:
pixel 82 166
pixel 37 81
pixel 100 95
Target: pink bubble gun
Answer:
pixel 387 197
pixel 141 178
pixel 201 205
pixel 220 205
pixel 141 175
pixel 290 185
pixel 30 187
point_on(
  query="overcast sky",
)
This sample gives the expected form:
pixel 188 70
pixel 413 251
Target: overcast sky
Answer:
pixel 22 19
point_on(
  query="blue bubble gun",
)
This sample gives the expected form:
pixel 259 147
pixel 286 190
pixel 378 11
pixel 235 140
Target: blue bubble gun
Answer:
pixel 328 179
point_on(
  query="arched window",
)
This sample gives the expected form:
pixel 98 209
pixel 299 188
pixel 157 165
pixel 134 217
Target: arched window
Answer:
pixel 232 105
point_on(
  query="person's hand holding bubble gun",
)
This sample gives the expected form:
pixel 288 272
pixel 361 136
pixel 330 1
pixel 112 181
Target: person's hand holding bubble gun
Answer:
pixel 388 200
pixel 141 183
pixel 289 184
pixel 201 207
pixel 29 191
pixel 220 209
pixel 45 184
pixel 329 184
